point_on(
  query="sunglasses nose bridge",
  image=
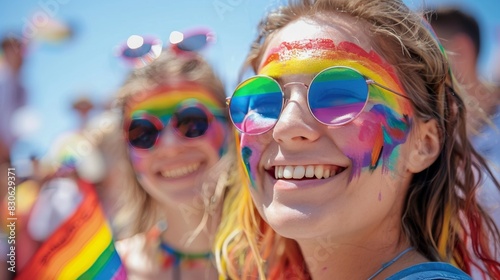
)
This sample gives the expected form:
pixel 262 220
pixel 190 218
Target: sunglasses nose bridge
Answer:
pixel 288 97
pixel 168 137
pixel 295 120
pixel 287 85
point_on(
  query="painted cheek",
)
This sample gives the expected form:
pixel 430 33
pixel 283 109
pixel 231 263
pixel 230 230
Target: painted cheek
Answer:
pixel 381 131
pixel 250 157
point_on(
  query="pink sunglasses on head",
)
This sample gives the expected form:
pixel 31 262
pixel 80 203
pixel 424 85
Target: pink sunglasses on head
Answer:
pixel 139 51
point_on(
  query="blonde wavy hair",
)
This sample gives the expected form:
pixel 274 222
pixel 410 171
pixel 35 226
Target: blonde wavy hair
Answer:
pixel 441 214
pixel 138 209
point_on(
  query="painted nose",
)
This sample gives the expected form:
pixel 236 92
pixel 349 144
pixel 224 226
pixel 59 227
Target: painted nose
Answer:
pixel 296 124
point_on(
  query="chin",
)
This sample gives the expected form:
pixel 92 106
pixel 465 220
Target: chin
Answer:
pixel 294 222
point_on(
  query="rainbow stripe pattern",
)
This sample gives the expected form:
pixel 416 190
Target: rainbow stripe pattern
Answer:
pixel 387 117
pixel 256 104
pixel 164 101
pixel 81 248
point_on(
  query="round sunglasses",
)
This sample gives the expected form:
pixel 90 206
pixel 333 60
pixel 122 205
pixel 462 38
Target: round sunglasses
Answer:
pixel 335 96
pixel 188 122
pixel 140 51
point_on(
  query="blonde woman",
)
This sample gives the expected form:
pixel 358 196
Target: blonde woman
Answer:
pixel 179 145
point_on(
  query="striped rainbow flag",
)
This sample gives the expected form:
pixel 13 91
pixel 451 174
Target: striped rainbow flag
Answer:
pixel 81 248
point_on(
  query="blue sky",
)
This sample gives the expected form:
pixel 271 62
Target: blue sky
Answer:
pixel 55 74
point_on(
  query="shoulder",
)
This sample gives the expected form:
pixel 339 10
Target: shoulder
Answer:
pixel 430 270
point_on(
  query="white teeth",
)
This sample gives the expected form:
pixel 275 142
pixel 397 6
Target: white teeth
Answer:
pixel 288 172
pixel 181 171
pixel 308 171
pixel 326 173
pixel 280 171
pixel 318 171
pixel 299 172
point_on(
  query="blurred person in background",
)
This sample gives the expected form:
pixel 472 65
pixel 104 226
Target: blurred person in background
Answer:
pixel 180 145
pixel 26 193
pixel 12 97
pixel 460 35
pixel 12 92
pixel 82 106
pixel 496 63
pixel 94 154
pixel 82 173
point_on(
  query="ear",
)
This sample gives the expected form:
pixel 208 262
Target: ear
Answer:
pixel 425 146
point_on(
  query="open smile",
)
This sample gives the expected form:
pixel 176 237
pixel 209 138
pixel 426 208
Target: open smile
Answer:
pixel 180 171
pixel 301 172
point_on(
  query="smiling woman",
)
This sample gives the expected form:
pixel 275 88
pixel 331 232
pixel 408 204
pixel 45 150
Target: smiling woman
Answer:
pixel 354 146
pixel 180 147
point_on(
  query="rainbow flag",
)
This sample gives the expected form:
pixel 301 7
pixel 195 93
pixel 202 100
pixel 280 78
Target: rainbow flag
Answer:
pixel 81 248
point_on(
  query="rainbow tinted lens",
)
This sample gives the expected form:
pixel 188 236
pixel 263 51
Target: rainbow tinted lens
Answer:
pixel 336 96
pixel 189 122
pixel 256 105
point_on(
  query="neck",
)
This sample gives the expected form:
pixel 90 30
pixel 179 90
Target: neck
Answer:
pixel 189 229
pixel 354 259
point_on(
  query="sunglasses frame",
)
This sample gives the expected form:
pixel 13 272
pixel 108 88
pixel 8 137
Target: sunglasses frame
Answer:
pixel 284 100
pixel 160 126
pixel 210 39
pixel 145 60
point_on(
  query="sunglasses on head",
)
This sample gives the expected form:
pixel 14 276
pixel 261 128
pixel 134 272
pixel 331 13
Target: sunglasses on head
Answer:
pixel 335 96
pixel 140 51
pixel 189 122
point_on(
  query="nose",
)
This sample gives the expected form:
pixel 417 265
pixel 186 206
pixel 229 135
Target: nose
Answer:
pixel 296 124
pixel 170 143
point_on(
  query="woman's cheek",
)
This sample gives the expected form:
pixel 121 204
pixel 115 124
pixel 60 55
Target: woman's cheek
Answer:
pixel 250 155
pixel 377 135
pixel 219 137
pixel 357 142
pixel 138 163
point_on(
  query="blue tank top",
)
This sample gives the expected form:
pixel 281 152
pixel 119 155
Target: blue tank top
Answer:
pixel 430 271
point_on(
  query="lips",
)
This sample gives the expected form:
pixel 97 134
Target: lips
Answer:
pixel 298 172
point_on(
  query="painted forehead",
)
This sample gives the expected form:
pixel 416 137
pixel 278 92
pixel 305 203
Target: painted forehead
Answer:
pixel 164 101
pixel 310 56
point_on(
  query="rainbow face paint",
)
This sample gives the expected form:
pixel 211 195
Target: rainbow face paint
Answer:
pixel 246 156
pixel 163 101
pixel 383 121
pixel 159 107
